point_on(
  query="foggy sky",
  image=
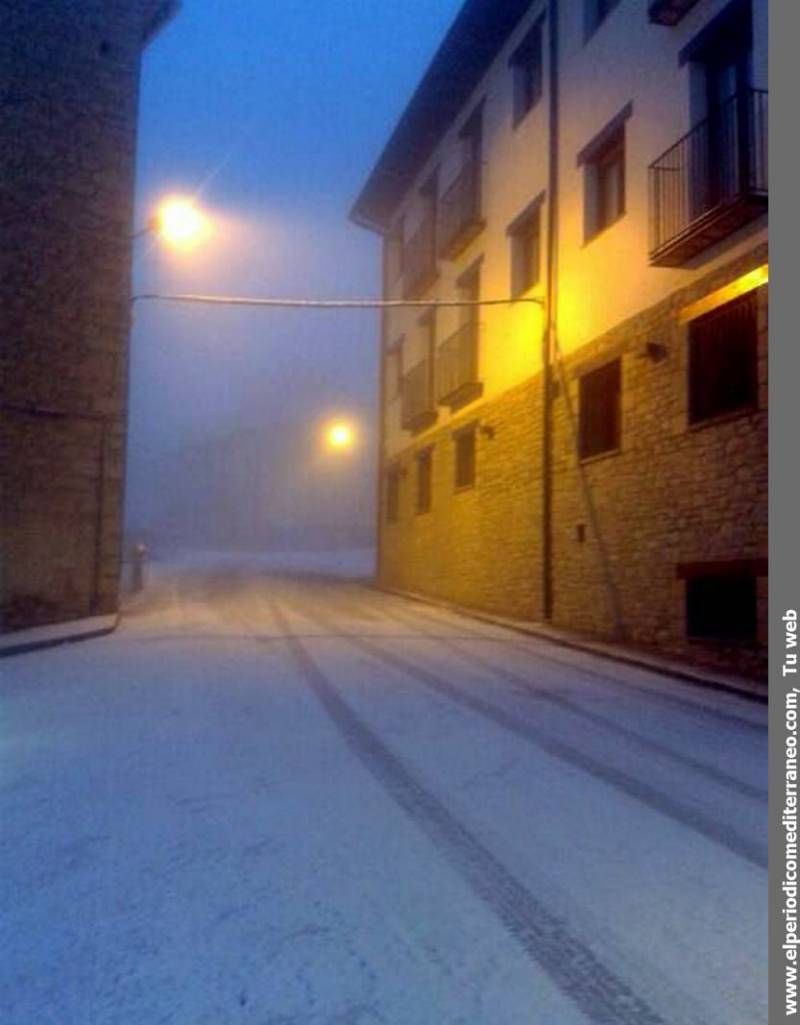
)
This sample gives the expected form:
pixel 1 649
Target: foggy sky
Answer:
pixel 273 113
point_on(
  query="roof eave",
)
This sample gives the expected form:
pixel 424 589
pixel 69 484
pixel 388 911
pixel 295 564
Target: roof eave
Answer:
pixel 159 13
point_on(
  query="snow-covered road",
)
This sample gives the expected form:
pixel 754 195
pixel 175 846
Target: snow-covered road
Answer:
pixel 281 798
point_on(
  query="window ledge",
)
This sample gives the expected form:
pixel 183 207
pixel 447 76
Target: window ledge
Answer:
pixel 602 231
pixel 723 418
pixel 600 456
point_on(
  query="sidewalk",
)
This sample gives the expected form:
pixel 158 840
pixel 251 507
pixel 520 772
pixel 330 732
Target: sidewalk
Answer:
pixel 641 658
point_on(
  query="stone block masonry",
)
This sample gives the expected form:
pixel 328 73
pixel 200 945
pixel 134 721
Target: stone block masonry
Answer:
pixel 67 148
pixel 622 523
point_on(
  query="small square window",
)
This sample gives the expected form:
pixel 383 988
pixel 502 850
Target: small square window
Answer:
pixel 526 253
pixel 721 606
pixel 526 68
pixel 723 360
pixel 424 481
pixel 600 416
pixel 465 459
pixel 393 495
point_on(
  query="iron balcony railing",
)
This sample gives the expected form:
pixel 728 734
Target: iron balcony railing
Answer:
pixel 419 259
pixel 711 181
pixel 418 408
pixel 457 366
pixel 460 210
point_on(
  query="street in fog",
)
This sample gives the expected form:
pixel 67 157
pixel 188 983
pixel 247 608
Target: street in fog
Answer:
pixel 276 795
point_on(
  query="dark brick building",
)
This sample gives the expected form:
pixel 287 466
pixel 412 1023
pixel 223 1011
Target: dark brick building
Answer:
pixel 69 73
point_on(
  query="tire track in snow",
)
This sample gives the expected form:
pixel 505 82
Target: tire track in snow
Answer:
pixel 684 705
pixel 656 800
pixel 601 996
pixel 532 691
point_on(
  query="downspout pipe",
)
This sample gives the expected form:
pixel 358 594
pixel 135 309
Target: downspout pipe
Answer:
pixel 381 453
pixel 550 312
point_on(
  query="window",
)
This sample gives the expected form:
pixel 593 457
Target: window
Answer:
pixel 599 429
pixel 394 370
pixel 595 13
pixel 525 235
pixel 610 183
pixel 603 161
pixel 393 494
pixel 424 480
pixel 723 367
pixel 526 69
pixel 465 458
pixel 721 605
pixel 395 248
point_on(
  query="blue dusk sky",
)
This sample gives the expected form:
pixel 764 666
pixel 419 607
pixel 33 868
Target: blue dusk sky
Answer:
pixel 272 113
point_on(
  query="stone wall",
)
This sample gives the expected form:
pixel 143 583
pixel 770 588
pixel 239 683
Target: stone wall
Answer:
pixel 67 147
pixel 621 523
pixel 478 547
pixel 671 494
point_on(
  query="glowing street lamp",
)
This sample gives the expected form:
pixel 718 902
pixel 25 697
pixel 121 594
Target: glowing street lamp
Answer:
pixel 180 223
pixel 340 436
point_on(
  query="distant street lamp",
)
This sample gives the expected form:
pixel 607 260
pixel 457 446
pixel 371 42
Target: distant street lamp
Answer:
pixel 340 436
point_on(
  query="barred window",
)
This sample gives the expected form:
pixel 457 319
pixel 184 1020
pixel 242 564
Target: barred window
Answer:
pixel 723 360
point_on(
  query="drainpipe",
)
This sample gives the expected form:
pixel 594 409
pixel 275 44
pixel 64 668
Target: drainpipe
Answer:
pixel 381 412
pixel 550 315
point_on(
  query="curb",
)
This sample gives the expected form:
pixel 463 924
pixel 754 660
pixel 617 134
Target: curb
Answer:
pixel 41 638
pixel 741 686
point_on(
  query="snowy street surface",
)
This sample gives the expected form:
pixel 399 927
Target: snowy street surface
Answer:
pixel 278 797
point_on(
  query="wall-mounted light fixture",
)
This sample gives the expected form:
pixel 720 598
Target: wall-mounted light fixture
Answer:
pixel 487 431
pixel 654 351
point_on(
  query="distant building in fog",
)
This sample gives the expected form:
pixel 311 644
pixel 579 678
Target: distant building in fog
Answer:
pixel 602 465
pixel 67 145
pixel 260 489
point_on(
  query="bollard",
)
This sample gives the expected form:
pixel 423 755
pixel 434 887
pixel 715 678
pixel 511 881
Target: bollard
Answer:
pixel 139 556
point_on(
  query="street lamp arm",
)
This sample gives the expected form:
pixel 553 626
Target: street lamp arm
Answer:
pixel 331 304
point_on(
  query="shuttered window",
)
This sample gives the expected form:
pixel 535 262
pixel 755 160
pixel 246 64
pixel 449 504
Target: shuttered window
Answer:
pixel 424 481
pixel 393 495
pixel 600 410
pixel 465 459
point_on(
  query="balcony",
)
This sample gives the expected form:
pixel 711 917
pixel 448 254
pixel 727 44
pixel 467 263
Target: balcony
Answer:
pixel 457 380
pixel 711 182
pixel 419 260
pixel 418 407
pixel 460 217
pixel 669 12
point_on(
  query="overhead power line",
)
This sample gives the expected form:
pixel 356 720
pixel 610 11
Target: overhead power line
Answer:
pixel 328 304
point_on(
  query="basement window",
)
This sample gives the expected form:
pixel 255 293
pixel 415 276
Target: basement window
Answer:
pixel 393 495
pixel 424 480
pixel 465 458
pixel 721 604
pixel 723 360
pixel 600 416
